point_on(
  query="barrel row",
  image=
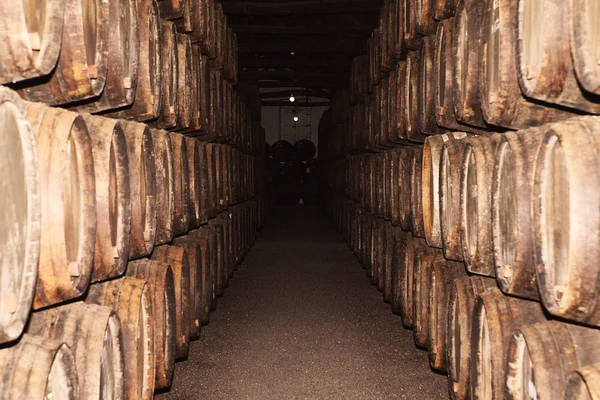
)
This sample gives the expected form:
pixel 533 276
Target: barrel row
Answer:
pixel 120 42
pixel 85 194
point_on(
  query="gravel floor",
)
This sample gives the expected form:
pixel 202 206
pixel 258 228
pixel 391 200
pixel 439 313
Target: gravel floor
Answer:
pixel 301 321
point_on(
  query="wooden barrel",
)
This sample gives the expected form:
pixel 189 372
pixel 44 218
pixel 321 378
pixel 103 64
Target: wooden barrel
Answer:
pixel 461 303
pixel 194 100
pixel 387 185
pixel 21 218
pixel 195 182
pixel 402 278
pixel 32 40
pixel 68 201
pixel 375 267
pixel 512 186
pixel 423 262
pixel 215 88
pixel 80 72
pixel 194 257
pixel 396 103
pixel 424 22
pixel 185 86
pixel 584 383
pixel 501 98
pixel 426 88
pixel 168 76
pixel 411 100
pixel 541 356
pixel 177 258
pixel 131 299
pixel 542 27
pixel 38 368
pixel 200 258
pixel 142 181
pixel 583 34
pixel 205 233
pixel 495 318
pixel 147 101
pixel 449 192
pixel 212 182
pixel 93 333
pixel 412 38
pixel 442 274
pixel 159 277
pixel 181 183
pixel 416 200
pixel 203 198
pixel 222 267
pixel 443 9
pixel 566 217
pixel 113 209
pixel 185 23
pixel 466 63
pixel 172 9
pixel 123 58
pixel 391 237
pixel 477 168
pixel 404 183
pixel 165 185
pixel 443 81
pixel 204 95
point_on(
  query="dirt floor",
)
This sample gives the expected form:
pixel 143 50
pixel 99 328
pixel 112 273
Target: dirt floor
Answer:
pixel 300 320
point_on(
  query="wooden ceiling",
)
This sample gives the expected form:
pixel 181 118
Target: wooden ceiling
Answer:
pixel 300 43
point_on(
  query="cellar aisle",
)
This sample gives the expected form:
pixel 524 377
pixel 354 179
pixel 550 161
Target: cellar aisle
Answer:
pixel 301 321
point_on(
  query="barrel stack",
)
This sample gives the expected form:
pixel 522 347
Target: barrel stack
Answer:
pixel 128 209
pixel 461 168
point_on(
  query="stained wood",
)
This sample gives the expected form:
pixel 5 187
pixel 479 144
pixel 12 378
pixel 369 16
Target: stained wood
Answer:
pixel 583 33
pixel 424 22
pixel 68 201
pixel 142 181
pixel 159 277
pixel 402 278
pixel 416 201
pixel 168 76
pixel 93 333
pixel 194 177
pixel 583 383
pixel 131 299
pixel 38 368
pixel 21 215
pixel 185 86
pixel 412 85
pixel 165 185
pixel 113 209
pixel 404 181
pixel 424 258
pixel 426 89
pixel 181 185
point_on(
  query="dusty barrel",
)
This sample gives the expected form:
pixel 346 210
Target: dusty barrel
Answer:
pixel 387 184
pixel 123 57
pixel 165 185
pixel 168 77
pixel 475 224
pixel 404 183
pixel 94 335
pixel 206 277
pixel 443 9
pixel 466 63
pixel 184 81
pixel 495 317
pixel 502 102
pixel 449 193
pixel 566 218
pixel 207 234
pixel 38 368
pixel 442 274
pixel 416 201
pixel 131 299
pixel 21 215
pixel 80 72
pixel 181 185
pixel 172 9
pixel 423 11
pixel 194 182
pixel 397 102
pixel 194 100
pixel 32 40
pixel 584 383
pixel 412 39
pixel 430 185
pixel 545 67
pixel 424 258
pixel 583 33
pixel 204 175
pixel 113 212
pixel 426 91
pixel 541 356
pixel 212 182
pixel 194 261
pixel 412 127
pixel 159 277
pixel 461 303
pixel 391 236
pixel 512 188
pixel 177 258
pixel 147 101
pixel 402 278
pixel 68 200
pixel 142 182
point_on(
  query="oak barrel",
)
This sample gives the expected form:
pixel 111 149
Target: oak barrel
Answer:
pixel 165 185
pixel 181 185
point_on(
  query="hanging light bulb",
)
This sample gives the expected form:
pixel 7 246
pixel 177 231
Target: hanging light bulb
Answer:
pixel 296 118
pixel 292 98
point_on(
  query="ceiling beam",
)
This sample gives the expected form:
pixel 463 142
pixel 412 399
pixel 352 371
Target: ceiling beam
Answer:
pixel 295 104
pixel 314 7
